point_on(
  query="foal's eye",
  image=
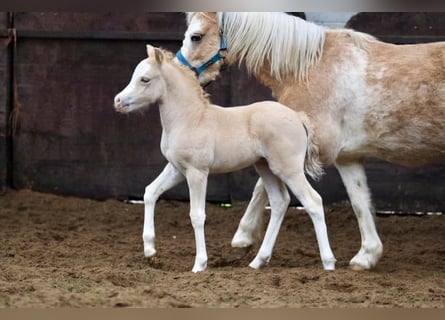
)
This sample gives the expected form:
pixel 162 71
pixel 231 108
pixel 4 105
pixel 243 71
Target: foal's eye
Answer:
pixel 145 80
pixel 196 37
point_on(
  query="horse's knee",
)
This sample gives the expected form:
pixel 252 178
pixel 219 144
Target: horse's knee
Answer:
pixel 149 196
pixel 197 219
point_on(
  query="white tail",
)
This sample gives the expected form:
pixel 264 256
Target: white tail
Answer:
pixel 312 164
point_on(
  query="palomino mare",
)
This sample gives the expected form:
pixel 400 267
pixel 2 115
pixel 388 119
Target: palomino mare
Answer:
pixel 196 142
pixel 364 98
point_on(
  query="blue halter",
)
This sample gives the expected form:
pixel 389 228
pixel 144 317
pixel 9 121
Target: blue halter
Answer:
pixel 218 56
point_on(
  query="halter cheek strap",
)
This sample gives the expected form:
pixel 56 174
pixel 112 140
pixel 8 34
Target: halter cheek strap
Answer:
pixel 218 56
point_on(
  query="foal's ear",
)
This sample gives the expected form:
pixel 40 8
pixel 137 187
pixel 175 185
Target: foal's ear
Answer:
pixel 155 53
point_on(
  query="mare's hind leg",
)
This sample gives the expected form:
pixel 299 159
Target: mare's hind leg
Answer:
pixel 168 178
pixel 354 179
pixel 279 200
pixel 249 229
pixel 313 204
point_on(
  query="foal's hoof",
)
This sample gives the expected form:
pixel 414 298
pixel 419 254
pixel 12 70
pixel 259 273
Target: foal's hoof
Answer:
pixel 257 263
pixel 329 265
pixel 199 267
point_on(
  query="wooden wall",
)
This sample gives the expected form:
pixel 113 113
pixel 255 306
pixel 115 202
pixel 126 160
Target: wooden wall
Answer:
pixel 69 140
pixel 5 45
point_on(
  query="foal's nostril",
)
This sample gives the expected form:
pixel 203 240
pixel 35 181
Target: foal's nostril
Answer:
pixel 117 100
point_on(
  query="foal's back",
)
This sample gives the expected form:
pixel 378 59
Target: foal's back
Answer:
pixel 240 135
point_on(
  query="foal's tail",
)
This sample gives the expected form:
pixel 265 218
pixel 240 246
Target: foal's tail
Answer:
pixel 312 164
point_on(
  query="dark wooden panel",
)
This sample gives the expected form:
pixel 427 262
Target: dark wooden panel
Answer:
pixel 407 189
pixel 5 46
pixel 100 22
pixel 4 85
pixel 3 23
pixel 70 139
pixel 401 27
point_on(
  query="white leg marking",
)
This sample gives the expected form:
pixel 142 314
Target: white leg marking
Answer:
pixel 168 178
pixel 313 205
pixel 354 179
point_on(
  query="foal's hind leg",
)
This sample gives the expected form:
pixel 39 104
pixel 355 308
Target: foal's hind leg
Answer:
pixel 279 200
pixel 313 205
pixel 354 179
pixel 168 178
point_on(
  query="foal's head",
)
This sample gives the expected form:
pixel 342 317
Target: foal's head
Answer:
pixel 147 85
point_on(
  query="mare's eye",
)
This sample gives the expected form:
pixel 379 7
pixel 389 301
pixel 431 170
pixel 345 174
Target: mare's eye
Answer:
pixel 196 37
pixel 145 80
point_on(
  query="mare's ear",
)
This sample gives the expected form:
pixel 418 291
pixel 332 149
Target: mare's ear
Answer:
pixel 155 53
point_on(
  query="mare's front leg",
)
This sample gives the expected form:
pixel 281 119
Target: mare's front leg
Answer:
pixel 168 178
pixel 250 226
pixel 354 179
pixel 197 183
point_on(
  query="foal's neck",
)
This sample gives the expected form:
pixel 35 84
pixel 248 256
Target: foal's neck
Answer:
pixel 183 100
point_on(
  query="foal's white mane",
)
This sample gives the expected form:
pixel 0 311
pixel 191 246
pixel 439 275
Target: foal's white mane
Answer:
pixel 290 44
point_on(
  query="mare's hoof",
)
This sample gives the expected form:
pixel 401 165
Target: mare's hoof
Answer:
pixel 238 253
pixel 357 267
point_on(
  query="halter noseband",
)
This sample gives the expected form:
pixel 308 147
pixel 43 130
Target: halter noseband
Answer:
pixel 218 56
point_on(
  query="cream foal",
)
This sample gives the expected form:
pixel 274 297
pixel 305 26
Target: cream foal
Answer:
pixel 199 138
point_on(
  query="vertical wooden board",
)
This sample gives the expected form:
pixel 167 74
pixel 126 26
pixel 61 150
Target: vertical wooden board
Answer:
pixel 166 22
pixel 70 139
pixel 401 27
pixel 4 91
pixel 407 189
pixel 3 22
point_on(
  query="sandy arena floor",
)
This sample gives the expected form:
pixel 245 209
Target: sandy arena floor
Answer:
pixel 62 251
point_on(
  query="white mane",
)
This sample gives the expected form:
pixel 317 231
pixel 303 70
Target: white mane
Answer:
pixel 291 45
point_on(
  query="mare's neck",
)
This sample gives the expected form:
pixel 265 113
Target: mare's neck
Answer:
pixel 182 101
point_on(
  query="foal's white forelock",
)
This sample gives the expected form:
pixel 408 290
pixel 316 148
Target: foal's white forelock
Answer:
pixel 290 44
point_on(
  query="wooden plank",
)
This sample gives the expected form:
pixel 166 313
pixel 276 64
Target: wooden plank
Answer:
pixel 4 100
pixel 100 22
pixel 407 189
pixel 400 27
pixel 3 24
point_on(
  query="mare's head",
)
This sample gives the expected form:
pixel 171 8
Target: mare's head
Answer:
pixel 202 43
pixel 147 85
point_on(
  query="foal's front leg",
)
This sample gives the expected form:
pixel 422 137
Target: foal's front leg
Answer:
pixel 168 178
pixel 197 183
